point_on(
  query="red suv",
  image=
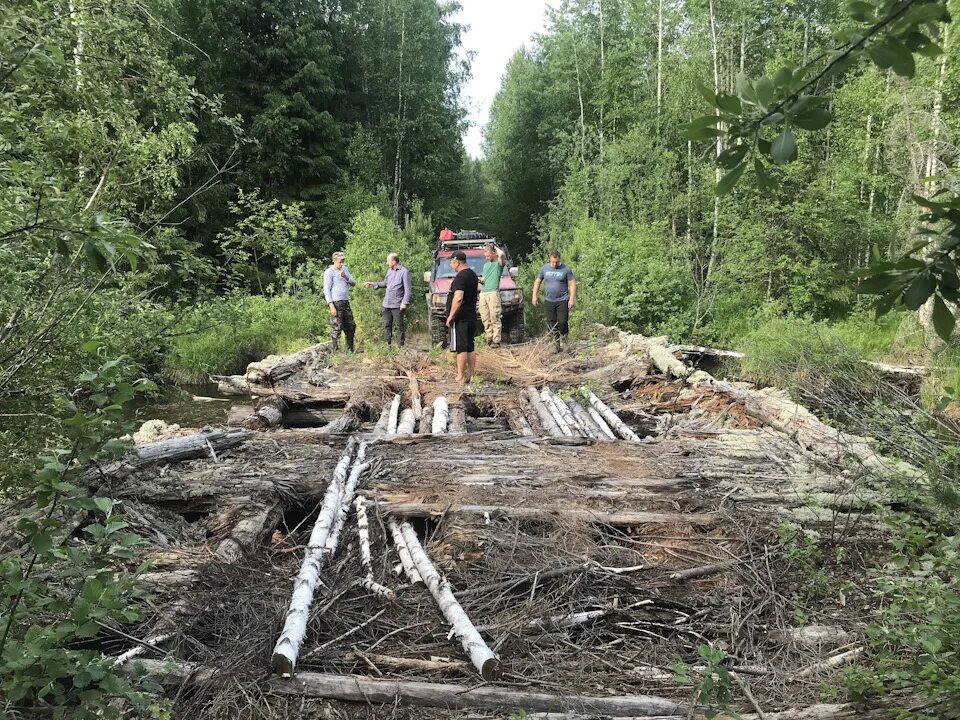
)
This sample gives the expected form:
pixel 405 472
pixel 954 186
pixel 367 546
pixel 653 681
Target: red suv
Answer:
pixel 471 244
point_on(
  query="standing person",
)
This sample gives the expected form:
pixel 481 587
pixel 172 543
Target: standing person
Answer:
pixel 396 299
pixel 560 297
pixel 490 293
pixel 462 316
pixel 337 282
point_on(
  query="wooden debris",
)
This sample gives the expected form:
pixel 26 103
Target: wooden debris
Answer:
pixel 394 416
pixel 389 662
pixel 836 661
pixel 552 403
pixel 268 414
pixel 415 402
pixel 458 421
pixel 441 416
pixel 365 560
pixel 547 421
pixel 610 417
pixel 587 423
pixel 407 422
pixel 295 626
pixel 482 657
pixel 248 533
pixel 405 560
pixel 426 421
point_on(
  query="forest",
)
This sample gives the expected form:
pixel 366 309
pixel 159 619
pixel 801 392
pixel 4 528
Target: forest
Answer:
pixel 774 179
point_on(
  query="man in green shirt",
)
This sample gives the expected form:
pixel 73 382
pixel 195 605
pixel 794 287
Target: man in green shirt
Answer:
pixel 490 293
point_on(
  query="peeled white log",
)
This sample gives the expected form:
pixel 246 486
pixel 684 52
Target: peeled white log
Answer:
pixel 441 415
pixel 408 422
pixel 139 649
pixel 564 412
pixel 601 423
pixel 295 626
pixel 458 421
pixel 348 492
pixel 483 658
pixel 426 421
pixel 611 417
pixel 546 417
pixel 586 422
pixel 366 561
pixel 394 415
pixel 831 662
pixel 405 560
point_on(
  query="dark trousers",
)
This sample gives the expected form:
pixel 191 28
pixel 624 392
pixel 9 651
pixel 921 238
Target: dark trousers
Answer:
pixel 343 320
pixel 558 316
pixel 394 317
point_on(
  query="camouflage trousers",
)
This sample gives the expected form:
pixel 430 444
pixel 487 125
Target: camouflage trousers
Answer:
pixel 344 321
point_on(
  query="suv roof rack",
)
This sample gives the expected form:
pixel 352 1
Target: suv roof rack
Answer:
pixel 467 239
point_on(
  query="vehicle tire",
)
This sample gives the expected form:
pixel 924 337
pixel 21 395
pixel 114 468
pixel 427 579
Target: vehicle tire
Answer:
pixel 438 331
pixel 513 328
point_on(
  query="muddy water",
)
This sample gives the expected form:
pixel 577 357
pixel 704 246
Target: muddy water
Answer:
pixel 178 405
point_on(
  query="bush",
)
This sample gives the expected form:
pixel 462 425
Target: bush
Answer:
pixel 222 337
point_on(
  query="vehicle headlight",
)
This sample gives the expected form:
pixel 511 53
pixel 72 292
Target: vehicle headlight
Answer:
pixel 511 297
pixel 438 299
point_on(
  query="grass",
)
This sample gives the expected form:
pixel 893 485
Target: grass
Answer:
pixel 223 336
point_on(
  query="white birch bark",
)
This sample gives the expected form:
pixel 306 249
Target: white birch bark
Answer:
pixel 295 626
pixel 550 400
pixel 408 422
pixel 615 423
pixel 483 658
pixel 405 560
pixel 441 414
pixel 545 416
pixel 366 561
pixel 394 415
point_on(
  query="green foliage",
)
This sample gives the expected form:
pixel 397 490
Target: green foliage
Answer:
pixel 221 337
pixel 373 236
pixel 715 683
pixel 64 590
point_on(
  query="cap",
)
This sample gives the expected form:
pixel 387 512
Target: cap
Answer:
pixel 459 255
pixel 339 256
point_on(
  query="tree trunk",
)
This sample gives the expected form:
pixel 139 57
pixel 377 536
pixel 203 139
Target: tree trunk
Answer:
pixel 618 426
pixel 441 415
pixel 547 420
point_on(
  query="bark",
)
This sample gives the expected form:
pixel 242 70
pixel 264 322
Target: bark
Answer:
pixel 268 373
pixel 518 422
pixel 458 421
pixel 383 422
pixel 601 423
pixel 388 662
pixel 624 518
pixel 830 663
pixel 353 688
pixel 394 416
pixel 231 384
pixel 405 560
pixel 248 533
pixel 269 414
pixel 407 422
pixel 611 418
pixel 426 421
pixel 482 657
pixel 546 417
pixel 346 423
pixel 415 402
pixel 348 492
pixel 295 625
pixel 441 414
pixel 366 561
pixel 549 402
pixel 587 422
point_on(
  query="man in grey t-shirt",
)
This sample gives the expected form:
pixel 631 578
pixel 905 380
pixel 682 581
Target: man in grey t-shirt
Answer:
pixel 560 296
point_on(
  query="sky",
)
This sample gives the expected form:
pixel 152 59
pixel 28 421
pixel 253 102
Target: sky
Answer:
pixel 498 28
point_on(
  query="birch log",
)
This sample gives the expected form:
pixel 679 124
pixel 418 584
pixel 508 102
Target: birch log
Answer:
pixel 587 422
pixel 394 416
pixel 383 422
pixel 405 560
pixel 547 399
pixel 348 492
pixel 408 422
pixel 545 416
pixel 483 658
pixel 601 423
pixel 366 561
pixel 441 414
pixel 426 421
pixel 564 412
pixel 518 421
pixel 611 417
pixel 295 626
pixel 458 421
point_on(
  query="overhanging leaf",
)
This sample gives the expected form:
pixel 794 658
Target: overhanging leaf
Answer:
pixel 784 147
pixel 729 181
pixel 943 320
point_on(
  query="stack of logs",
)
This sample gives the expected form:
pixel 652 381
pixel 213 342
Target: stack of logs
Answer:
pixel 437 419
pixel 569 418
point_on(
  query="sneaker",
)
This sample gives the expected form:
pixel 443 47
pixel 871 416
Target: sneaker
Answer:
pixel 494 345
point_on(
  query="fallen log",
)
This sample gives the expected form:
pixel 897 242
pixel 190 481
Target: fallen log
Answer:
pixel 830 663
pixel 601 423
pixel 268 414
pixel 270 371
pixel 248 533
pixel 458 421
pixel 365 559
pixel 549 401
pixel 623 518
pixel 615 423
pixel 295 625
pixel 305 417
pixel 441 416
pixel 518 422
pixel 547 420
pixel 353 688
pixel 394 416
pixel 426 421
pixel 568 417
pixel 383 422
pixel 416 403
pixel 346 423
pixel 231 384
pixel 408 422
pixel 347 492
pixel 482 657
pixel 586 422
pixel 187 447
pixel 404 552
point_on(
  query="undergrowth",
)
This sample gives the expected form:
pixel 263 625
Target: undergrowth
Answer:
pixel 223 336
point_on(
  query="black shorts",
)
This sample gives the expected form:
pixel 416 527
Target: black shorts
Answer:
pixel 462 334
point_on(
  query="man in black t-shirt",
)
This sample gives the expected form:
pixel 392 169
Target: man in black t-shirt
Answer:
pixel 462 316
